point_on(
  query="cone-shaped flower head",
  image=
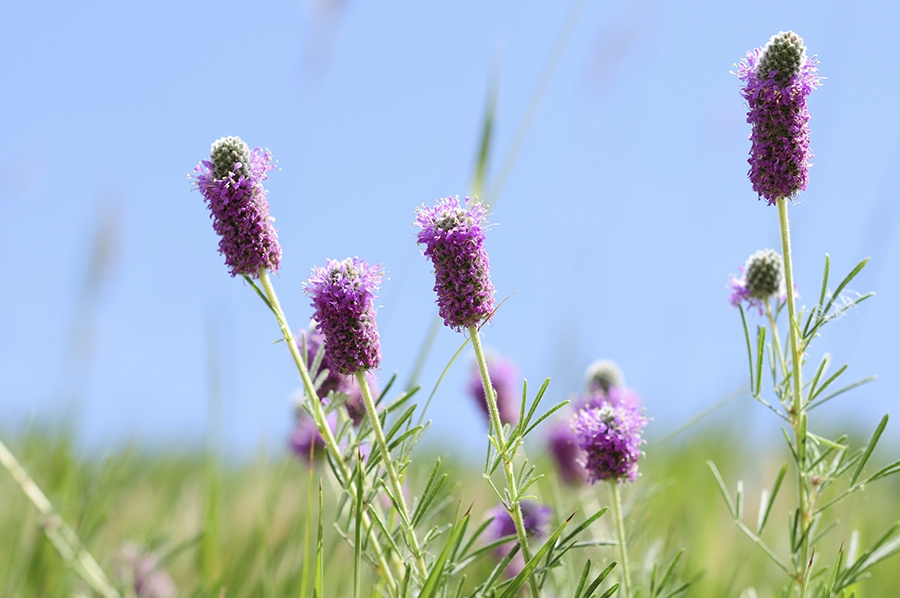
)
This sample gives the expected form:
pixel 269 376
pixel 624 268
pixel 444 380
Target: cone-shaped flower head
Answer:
pixel 762 278
pixel 610 436
pixel 231 183
pixel 777 80
pixel 505 380
pixel 453 235
pixel 602 375
pixel 343 295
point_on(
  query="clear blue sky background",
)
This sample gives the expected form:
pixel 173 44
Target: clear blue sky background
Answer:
pixel 614 235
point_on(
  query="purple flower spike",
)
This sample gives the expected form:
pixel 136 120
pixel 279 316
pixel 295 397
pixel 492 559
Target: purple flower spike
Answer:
pixel 610 436
pixel 505 380
pixel 453 236
pixel 777 79
pixel 569 457
pixel 535 518
pixel 231 183
pixel 306 433
pixel 343 295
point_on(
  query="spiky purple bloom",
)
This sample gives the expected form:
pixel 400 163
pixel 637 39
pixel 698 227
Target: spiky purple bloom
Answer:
pixel 453 235
pixel 505 380
pixel 343 295
pixel 569 457
pixel 231 182
pixel 610 436
pixel 777 80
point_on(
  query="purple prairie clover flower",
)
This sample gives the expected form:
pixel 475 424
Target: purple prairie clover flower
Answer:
pixel 615 396
pixel 231 182
pixel 777 80
pixel 567 454
pixel 505 380
pixel 610 436
pixel 535 519
pixel 343 295
pixel 306 433
pixel 762 277
pixel 453 235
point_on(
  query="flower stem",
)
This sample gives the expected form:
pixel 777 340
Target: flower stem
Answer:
pixel 620 534
pixel 396 486
pixel 776 340
pixel 319 414
pixel 514 509
pixel 798 417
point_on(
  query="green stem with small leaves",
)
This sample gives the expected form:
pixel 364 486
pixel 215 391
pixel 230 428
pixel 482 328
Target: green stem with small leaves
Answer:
pixel 319 414
pixel 797 415
pixel 515 510
pixel 396 486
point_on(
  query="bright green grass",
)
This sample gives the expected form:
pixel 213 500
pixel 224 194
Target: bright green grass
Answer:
pixel 254 539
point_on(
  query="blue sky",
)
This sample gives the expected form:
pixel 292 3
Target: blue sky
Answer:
pixel 615 234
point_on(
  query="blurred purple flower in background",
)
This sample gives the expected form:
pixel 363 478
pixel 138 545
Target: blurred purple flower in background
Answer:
pixel 343 295
pixel 231 183
pixel 505 380
pixel 140 572
pixel 453 236
pixel 778 78
pixel 306 434
pixel 535 517
pixel 567 454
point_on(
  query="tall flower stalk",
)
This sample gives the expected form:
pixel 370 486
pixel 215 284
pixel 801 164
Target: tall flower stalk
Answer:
pixel 343 296
pixel 453 234
pixel 231 182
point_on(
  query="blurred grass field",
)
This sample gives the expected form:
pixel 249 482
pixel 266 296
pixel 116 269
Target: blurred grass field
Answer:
pixel 238 529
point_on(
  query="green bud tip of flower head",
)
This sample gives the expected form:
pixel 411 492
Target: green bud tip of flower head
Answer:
pixel 603 375
pixel 225 153
pixel 764 273
pixel 784 54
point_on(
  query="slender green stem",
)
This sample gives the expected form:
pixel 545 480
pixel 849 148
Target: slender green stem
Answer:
pixel 778 351
pixel 324 429
pixel 798 418
pixel 620 534
pixel 60 535
pixel 514 508
pixel 396 486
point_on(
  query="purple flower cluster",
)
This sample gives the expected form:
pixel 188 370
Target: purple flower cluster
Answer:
pixel 343 295
pixel 535 518
pixel 778 79
pixel 231 183
pixel 334 382
pixel 505 380
pixel 610 436
pixel 306 433
pixel 567 454
pixel 142 573
pixel 453 235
